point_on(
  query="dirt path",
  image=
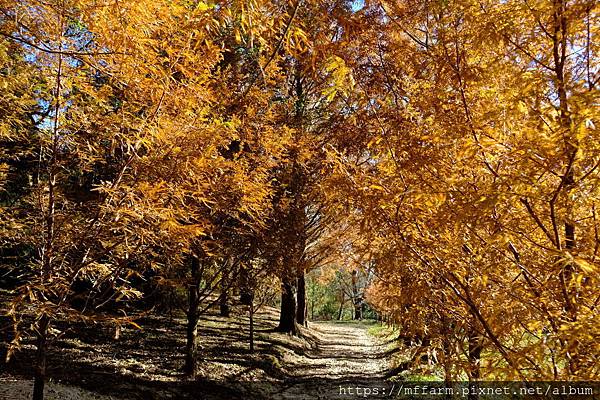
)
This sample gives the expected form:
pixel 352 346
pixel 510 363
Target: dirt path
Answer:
pixel 345 355
pixel 343 350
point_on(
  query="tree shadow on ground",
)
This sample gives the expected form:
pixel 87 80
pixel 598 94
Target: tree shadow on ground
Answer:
pixel 146 364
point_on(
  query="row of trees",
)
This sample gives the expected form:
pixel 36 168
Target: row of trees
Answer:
pixel 151 147
pixel 478 189
pixel 450 146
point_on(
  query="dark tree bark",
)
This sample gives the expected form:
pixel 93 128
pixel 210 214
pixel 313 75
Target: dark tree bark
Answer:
pixel 341 310
pixel 252 327
pixel 356 297
pixel 224 309
pixel 48 249
pixel 287 317
pixel 447 351
pixel 566 274
pixel 246 290
pixel 475 348
pixel 192 318
pixel 312 303
pixel 560 52
pixel 301 306
pixel 41 351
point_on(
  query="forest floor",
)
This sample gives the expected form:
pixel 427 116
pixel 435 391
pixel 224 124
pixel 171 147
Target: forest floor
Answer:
pixel 86 363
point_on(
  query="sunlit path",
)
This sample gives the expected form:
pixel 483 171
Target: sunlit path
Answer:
pixel 343 350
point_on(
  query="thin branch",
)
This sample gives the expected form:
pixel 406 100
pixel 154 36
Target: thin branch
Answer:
pixel 537 220
pixel 59 52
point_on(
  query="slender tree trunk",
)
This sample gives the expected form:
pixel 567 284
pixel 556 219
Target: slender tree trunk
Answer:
pixel 475 347
pixel 252 327
pixel 356 297
pixel 447 361
pixel 40 358
pixel 341 309
pixel 192 319
pixel 312 305
pixel 48 248
pixel 447 352
pixel 287 317
pixel 224 309
pixel 246 286
pixel 571 148
pixel 301 306
pixel 566 274
pixel 560 54
pixel 358 309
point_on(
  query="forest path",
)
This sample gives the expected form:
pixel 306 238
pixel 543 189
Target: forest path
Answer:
pixel 344 355
pixel 145 364
pixel 342 350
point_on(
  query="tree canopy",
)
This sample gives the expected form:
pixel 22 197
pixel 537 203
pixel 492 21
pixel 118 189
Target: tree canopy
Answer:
pixel 437 160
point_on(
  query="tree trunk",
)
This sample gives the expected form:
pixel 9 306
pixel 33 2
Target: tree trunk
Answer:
pixel 356 297
pixel 192 319
pixel 48 248
pixel 560 51
pixel 447 361
pixel 252 327
pixel 447 351
pixel 301 306
pixel 357 308
pixel 566 274
pixel 287 317
pixel 475 347
pixel 246 287
pixel 224 309
pixel 312 305
pixel 40 368
pixel 341 310
pixel 425 345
